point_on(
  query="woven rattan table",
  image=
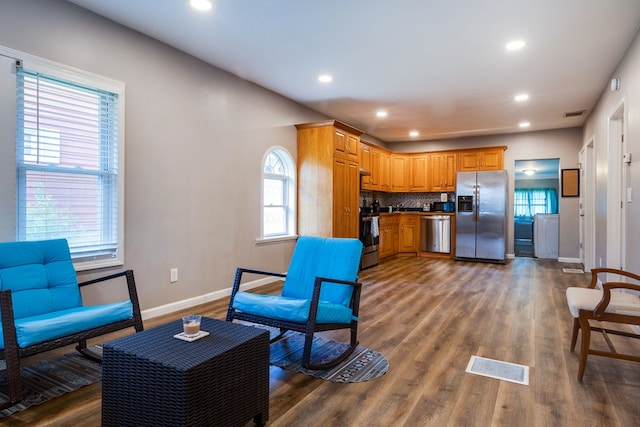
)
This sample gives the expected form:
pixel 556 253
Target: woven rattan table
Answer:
pixel 152 379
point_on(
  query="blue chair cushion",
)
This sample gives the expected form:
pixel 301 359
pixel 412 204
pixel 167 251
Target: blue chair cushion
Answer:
pixel 290 309
pixel 49 326
pixel 40 276
pixel 334 258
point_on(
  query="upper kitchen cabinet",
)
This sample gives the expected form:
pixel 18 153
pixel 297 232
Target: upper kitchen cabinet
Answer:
pixel 328 179
pixel 347 142
pixel 399 172
pixel 376 161
pixel 484 159
pixel 441 171
pixel 385 171
pixel 418 172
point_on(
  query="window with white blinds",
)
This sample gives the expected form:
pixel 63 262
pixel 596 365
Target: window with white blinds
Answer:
pixel 278 194
pixel 67 142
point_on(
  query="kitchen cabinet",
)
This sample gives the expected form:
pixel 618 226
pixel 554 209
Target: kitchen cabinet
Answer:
pixel 388 241
pixel 399 172
pixel 328 180
pixel 484 159
pixel 370 161
pixel 418 172
pixel 409 233
pixel 385 171
pixel 347 142
pixel 441 171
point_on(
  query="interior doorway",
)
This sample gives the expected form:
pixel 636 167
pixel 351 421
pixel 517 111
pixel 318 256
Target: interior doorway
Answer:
pixel 536 198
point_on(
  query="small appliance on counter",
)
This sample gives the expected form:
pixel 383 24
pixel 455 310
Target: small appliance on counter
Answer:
pixel 443 207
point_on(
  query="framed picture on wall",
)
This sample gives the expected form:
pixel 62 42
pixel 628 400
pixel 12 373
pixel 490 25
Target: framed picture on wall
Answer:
pixel 570 182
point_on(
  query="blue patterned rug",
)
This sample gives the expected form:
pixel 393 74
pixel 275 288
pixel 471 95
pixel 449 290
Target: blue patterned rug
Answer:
pixel 362 365
pixel 50 378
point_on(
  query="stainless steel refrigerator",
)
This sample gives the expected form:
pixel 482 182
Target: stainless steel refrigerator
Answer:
pixel 481 216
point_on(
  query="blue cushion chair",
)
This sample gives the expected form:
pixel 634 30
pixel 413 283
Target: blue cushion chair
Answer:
pixel 320 293
pixel 41 306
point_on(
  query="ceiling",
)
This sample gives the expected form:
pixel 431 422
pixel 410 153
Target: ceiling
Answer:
pixel 439 67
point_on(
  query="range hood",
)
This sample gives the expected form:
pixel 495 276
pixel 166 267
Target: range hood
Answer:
pixel 364 172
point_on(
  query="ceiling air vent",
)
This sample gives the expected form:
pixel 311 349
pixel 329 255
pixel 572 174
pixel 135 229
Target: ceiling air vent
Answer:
pixel 570 114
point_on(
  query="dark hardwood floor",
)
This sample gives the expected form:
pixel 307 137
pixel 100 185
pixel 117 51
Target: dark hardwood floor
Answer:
pixel 428 317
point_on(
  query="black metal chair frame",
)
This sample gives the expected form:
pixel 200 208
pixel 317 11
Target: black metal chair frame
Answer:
pixel 12 353
pixel 308 328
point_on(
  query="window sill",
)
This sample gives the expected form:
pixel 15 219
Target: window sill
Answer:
pixel 267 240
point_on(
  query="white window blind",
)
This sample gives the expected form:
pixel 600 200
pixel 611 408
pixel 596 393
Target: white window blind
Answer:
pixel 67 165
pixel 278 195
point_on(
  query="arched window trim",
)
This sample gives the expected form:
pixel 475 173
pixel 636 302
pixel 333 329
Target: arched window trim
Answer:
pixel 289 195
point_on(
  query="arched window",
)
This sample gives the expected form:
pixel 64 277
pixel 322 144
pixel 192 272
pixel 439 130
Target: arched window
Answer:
pixel 278 194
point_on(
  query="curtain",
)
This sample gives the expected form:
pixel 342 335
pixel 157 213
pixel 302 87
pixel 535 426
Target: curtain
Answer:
pixel 528 202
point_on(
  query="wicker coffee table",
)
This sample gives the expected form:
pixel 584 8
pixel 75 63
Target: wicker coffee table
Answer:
pixel 152 379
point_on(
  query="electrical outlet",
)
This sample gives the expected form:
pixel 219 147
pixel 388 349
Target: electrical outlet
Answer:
pixel 174 275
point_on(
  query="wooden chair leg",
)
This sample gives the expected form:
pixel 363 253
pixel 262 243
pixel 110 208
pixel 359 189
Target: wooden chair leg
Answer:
pixel 574 335
pixel 584 346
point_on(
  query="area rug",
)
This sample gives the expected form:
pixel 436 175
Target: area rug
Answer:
pixel 362 365
pixel 50 378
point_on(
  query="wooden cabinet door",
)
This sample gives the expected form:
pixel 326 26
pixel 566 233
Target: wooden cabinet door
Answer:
pixel 375 169
pixel 408 233
pixel 346 144
pixel 442 171
pixel 366 182
pixel 418 172
pixel 468 161
pixel 399 172
pixel 385 171
pixel 345 198
pixel 492 159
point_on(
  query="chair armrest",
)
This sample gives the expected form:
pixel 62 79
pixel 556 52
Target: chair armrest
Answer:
pixel 131 287
pixel 596 271
pixel 8 320
pixel 601 307
pixel 354 304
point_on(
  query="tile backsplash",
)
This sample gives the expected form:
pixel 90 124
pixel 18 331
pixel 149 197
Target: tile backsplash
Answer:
pixel 406 200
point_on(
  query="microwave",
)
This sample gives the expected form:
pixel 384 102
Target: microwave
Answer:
pixel 443 207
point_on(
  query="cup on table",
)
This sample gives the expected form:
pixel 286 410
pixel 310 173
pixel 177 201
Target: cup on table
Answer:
pixel 191 325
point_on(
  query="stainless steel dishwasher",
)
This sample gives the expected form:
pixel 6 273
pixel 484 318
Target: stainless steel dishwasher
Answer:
pixel 435 233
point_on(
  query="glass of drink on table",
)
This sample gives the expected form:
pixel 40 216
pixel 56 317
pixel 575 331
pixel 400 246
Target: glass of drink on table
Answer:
pixel 191 325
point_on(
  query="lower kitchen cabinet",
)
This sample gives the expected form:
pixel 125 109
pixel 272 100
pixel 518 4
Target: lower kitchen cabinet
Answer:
pixel 409 233
pixel 388 244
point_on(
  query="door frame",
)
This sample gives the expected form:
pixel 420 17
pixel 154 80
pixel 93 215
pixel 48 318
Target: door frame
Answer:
pixel 616 220
pixel 586 161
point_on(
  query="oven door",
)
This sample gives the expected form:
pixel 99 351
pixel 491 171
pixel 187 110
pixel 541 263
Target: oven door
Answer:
pixel 368 235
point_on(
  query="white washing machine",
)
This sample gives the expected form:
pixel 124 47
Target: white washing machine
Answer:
pixel 545 236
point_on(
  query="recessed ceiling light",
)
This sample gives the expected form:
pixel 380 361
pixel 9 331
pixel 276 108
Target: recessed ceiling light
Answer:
pixel 200 4
pixel 524 124
pixel 414 133
pixel 325 78
pixel 515 45
pixel 381 113
pixel 521 97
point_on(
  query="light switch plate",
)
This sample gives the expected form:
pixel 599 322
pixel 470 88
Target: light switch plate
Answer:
pixel 443 197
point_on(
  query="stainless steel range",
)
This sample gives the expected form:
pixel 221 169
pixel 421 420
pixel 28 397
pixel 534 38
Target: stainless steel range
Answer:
pixel 370 238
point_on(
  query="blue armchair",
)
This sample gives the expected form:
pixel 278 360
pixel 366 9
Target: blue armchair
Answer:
pixel 320 293
pixel 41 306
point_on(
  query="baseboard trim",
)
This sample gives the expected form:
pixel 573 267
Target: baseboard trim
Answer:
pixel 201 299
pixel 570 260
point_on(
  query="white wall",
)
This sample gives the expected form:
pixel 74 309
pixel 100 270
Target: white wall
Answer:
pixel 195 139
pixel 597 128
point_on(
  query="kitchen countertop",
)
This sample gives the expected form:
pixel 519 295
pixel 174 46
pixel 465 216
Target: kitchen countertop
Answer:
pixel 417 213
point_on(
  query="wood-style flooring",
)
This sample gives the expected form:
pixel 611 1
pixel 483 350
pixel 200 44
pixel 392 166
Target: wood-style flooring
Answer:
pixel 428 317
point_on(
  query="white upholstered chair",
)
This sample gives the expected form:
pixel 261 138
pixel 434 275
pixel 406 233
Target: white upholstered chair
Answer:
pixel 604 303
